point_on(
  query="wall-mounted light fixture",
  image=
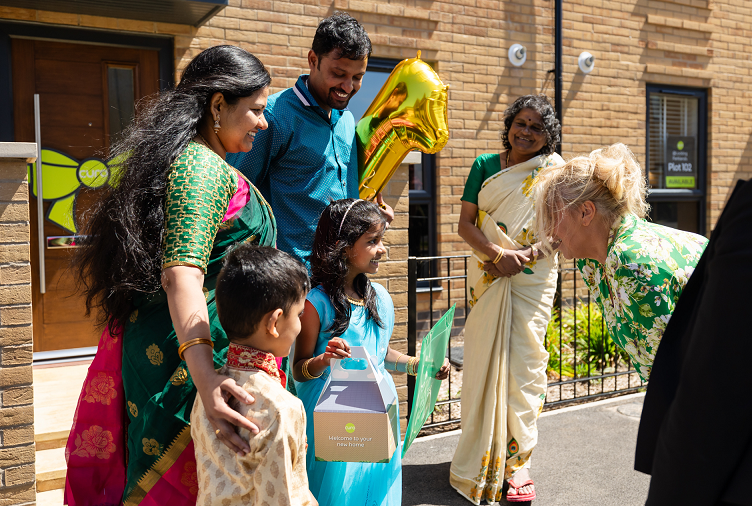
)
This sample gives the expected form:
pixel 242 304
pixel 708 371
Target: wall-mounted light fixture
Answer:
pixel 586 62
pixel 517 54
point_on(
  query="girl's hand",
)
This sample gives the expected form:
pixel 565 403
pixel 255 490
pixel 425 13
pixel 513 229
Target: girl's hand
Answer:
pixel 444 371
pixel 336 348
pixel 215 392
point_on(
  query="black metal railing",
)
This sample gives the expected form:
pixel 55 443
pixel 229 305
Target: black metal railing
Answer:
pixel 584 363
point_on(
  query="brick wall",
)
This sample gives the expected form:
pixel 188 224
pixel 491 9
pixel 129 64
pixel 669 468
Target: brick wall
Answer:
pixel 16 395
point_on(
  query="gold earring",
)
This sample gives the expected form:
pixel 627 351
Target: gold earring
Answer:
pixel 216 125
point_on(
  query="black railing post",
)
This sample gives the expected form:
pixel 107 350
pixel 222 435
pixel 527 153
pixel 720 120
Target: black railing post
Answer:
pixel 412 323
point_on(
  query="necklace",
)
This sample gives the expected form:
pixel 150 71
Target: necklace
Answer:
pixel 205 143
pixel 360 302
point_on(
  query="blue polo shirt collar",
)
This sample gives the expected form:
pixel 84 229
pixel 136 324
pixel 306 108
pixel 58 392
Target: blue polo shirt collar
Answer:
pixel 304 95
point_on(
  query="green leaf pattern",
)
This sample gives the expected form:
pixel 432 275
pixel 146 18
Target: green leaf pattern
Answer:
pixel 647 266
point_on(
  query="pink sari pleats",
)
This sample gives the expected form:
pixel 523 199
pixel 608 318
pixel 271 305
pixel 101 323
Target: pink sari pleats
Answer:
pixel 96 447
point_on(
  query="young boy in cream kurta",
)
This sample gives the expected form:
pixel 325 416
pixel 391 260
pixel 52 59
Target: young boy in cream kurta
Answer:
pixel 260 296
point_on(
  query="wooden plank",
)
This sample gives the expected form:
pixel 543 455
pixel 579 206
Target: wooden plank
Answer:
pixel 67 307
pixel 62 336
pixel 73 78
pixel 148 72
pixel 79 142
pixel 83 53
pixel 78 111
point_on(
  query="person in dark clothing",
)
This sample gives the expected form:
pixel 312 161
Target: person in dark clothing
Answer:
pixel 695 435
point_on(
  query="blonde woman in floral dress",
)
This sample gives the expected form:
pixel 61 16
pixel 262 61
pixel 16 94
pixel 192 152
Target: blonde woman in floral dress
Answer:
pixel 511 289
pixel 595 207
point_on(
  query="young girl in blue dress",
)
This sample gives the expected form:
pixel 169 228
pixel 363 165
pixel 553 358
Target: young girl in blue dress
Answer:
pixel 345 309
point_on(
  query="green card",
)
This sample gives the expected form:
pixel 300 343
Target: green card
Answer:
pixel 432 353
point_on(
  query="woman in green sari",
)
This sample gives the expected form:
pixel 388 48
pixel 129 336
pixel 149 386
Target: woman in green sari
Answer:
pixel 157 241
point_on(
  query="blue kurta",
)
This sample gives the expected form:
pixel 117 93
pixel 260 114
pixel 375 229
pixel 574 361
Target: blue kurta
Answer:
pixel 352 483
pixel 301 163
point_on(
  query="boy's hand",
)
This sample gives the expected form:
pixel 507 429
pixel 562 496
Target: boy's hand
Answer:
pixel 336 348
pixel 444 371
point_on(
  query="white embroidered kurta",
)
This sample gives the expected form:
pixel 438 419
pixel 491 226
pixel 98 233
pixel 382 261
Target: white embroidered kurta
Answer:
pixel 273 473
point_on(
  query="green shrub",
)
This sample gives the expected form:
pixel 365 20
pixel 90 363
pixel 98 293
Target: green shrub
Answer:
pixel 568 331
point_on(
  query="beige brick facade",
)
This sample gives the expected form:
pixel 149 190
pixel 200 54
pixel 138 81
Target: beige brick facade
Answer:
pixel 16 394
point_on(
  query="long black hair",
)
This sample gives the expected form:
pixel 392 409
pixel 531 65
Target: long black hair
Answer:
pixel 342 223
pixel 123 252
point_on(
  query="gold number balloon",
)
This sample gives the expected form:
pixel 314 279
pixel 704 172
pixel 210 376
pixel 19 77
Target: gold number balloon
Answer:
pixel 408 113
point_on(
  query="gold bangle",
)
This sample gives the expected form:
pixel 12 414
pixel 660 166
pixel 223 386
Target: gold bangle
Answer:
pixel 534 251
pixel 193 342
pixel 307 375
pixel 396 362
pixel 412 366
pixel 499 256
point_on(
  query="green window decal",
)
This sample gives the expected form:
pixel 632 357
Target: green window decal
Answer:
pixel 63 177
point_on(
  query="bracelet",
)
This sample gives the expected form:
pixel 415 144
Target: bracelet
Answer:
pixel 534 251
pixel 307 375
pixel 193 342
pixel 401 366
pixel 394 366
pixel 412 366
pixel 499 256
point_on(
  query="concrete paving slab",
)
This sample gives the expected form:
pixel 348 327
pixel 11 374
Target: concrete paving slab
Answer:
pixel 584 457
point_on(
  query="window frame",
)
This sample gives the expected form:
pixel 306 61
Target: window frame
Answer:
pixel 699 194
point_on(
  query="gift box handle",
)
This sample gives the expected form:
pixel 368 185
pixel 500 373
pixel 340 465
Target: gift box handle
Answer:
pixel 370 373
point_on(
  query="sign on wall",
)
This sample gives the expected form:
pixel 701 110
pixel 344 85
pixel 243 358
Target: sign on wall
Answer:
pixel 681 162
pixel 63 177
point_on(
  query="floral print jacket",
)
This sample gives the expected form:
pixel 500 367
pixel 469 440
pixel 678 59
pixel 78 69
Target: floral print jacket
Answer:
pixel 647 266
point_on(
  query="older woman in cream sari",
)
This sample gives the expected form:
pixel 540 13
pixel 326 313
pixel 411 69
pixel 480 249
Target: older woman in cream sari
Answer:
pixel 511 287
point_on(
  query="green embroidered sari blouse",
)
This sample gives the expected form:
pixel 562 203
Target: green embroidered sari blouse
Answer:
pixel 647 266
pixel 201 186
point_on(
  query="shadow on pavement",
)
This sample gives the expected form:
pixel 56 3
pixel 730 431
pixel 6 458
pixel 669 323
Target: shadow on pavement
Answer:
pixel 438 491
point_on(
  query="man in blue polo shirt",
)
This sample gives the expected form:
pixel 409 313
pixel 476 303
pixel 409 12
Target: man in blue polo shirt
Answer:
pixel 307 156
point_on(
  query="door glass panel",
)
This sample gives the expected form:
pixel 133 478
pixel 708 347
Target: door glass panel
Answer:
pixel 121 99
pixel 681 215
pixel 670 116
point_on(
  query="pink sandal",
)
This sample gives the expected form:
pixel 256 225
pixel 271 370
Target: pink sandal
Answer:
pixel 520 497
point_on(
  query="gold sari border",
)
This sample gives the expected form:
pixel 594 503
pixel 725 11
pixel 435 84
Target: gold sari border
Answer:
pixel 160 467
pixel 177 263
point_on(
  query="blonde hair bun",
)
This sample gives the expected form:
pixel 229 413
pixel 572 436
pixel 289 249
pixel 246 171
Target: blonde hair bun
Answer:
pixel 616 167
pixel 610 177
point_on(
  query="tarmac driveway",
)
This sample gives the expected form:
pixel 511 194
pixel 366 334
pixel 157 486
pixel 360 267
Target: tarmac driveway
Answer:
pixel 585 457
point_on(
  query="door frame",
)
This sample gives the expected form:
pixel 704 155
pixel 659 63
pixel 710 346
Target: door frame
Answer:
pixel 164 45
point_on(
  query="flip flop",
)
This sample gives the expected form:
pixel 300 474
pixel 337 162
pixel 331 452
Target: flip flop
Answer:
pixel 520 497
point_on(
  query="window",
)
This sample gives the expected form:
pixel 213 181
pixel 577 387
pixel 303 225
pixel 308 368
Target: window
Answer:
pixel 676 162
pixel 422 233
pixel 422 223
pixel 120 100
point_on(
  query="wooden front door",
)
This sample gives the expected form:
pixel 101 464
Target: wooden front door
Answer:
pixel 87 95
